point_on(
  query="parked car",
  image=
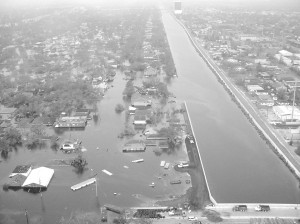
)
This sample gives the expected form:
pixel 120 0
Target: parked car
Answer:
pixel 192 218
pixel 239 208
pixel 262 208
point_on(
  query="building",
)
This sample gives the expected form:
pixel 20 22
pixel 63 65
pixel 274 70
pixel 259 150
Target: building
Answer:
pixel 140 102
pixel 248 37
pixel 150 72
pixel 71 122
pixel 140 120
pixel 284 113
pixel 266 100
pixel 23 170
pixel 285 53
pixel 7 113
pixel 38 179
pixel 254 88
pixel 135 146
pixel 177 7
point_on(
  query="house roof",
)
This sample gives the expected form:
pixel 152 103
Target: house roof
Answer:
pixel 143 112
pixel 17 180
pixel 21 169
pixel 7 110
pixel 140 118
pixel 39 177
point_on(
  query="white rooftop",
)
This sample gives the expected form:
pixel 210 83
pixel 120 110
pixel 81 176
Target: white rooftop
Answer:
pixel 40 177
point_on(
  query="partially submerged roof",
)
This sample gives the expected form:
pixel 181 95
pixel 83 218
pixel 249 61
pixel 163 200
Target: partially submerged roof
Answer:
pixel 39 177
pixel 21 169
pixel 16 181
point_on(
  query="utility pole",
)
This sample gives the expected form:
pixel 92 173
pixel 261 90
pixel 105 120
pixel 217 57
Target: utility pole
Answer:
pixel 96 177
pixel 26 216
pixel 295 87
pixel 96 187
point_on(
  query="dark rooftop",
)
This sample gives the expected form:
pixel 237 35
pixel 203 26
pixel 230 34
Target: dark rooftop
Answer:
pixel 22 169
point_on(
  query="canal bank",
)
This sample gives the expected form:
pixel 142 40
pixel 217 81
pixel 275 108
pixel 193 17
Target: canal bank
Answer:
pixel 190 131
pixel 284 155
pixel 239 165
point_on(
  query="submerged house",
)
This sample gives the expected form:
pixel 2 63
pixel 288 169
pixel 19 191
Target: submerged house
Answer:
pixel 140 102
pixel 38 180
pixel 134 146
pixel 23 170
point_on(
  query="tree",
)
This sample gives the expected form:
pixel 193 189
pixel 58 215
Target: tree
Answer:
pixel 79 162
pixel 120 220
pixel 297 151
pixel 119 108
pixel 282 94
pixel 4 145
pixel 13 137
pixel 259 68
pixel 129 89
pixel 163 90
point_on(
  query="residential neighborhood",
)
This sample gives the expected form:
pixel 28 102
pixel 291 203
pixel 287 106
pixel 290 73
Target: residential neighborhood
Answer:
pixel 259 51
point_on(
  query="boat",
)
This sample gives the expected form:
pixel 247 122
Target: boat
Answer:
pixel 167 166
pixel 138 161
pixel 152 184
pixel 162 163
pixel 97 148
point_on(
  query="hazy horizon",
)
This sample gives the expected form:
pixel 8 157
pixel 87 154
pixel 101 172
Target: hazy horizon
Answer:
pixel 281 4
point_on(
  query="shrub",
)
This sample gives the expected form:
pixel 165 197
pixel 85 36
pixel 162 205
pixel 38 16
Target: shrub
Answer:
pixel 297 151
pixel 212 216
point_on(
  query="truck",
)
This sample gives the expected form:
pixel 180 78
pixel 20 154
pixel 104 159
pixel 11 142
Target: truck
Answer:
pixel 239 208
pixel 262 208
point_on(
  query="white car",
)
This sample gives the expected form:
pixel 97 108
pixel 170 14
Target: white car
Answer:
pixel 192 218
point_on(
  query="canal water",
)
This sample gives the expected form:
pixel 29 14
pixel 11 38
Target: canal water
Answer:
pixel 239 166
pixel 131 184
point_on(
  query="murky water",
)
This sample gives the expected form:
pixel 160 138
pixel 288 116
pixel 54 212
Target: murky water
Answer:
pixel 60 200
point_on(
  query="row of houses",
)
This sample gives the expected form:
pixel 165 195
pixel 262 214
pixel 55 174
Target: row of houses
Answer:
pixel 141 109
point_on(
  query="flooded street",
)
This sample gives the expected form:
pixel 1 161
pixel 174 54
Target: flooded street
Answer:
pixel 131 184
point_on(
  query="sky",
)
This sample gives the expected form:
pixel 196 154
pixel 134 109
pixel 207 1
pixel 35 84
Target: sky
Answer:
pixel 279 4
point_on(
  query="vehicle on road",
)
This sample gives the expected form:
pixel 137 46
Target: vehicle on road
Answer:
pixel 240 208
pixel 262 208
pixel 192 218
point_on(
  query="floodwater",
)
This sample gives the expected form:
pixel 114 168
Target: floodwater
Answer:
pixel 239 166
pixel 59 200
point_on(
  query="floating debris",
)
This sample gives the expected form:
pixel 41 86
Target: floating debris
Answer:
pixel 152 184
pixel 83 184
pixel 107 172
pixel 167 165
pixel 126 167
pixel 138 160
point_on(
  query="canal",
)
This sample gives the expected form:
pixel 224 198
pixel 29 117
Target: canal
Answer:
pixel 240 167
